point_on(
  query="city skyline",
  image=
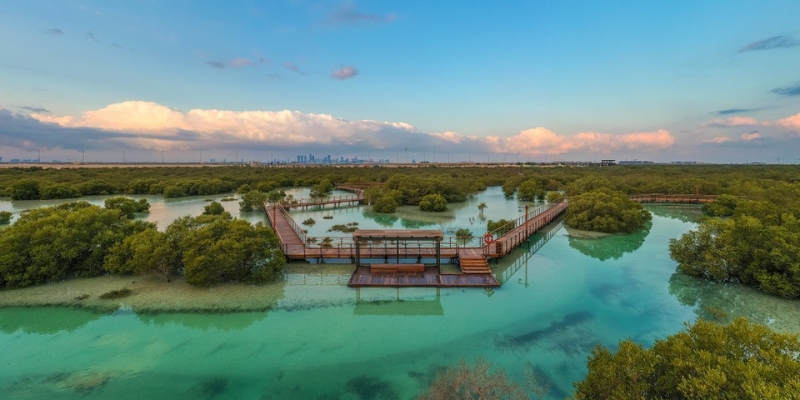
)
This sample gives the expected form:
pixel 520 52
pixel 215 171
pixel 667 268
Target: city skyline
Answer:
pixel 711 82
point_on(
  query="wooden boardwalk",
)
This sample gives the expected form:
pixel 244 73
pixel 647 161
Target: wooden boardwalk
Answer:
pixel 525 226
pixel 673 198
pixel 335 200
pixel 472 260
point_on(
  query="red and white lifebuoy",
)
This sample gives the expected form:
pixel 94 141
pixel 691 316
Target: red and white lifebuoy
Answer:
pixel 488 238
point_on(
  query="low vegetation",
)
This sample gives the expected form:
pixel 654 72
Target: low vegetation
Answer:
pixel 707 361
pixel 214 208
pixel 758 245
pixel 350 227
pixel 463 233
pixel 252 200
pixel 5 217
pixel 603 210
pixel 309 221
pixel 127 206
pixel 433 202
pixel 81 240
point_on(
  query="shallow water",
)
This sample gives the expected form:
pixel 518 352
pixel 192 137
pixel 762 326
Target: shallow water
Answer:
pixel 324 340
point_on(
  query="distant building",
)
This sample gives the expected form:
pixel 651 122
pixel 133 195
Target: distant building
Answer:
pixel 607 163
pixel 635 162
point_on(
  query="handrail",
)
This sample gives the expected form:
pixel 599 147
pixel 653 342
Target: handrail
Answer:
pixel 342 198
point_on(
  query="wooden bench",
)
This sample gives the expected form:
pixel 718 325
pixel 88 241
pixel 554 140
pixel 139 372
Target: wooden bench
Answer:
pixel 395 268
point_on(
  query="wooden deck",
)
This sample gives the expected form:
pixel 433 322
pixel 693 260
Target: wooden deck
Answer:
pixel 430 278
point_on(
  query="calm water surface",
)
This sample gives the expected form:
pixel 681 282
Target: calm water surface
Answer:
pixel 326 341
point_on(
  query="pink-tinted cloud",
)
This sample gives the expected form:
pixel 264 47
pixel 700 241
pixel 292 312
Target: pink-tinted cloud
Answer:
pixel 345 73
pixel 718 140
pixel 792 123
pixel 543 141
pixel 731 122
pixel 148 125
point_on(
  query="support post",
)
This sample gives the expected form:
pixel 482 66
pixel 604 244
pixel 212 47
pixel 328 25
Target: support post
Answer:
pixel 358 253
pixel 438 253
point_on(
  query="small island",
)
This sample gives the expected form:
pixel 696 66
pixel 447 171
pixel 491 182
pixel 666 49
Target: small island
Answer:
pixel 606 212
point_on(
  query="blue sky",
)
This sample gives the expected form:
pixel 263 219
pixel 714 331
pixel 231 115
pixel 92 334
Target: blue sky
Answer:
pixel 714 81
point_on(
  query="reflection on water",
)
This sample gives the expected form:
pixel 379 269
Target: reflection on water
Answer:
pixel 44 320
pixel 681 212
pixel 205 322
pixel 723 302
pixel 612 246
pixel 403 304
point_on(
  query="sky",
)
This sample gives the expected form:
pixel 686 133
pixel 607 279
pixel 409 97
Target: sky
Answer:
pixel 187 81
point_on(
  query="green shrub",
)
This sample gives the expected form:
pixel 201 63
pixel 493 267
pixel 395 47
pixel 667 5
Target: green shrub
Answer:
pixel 433 202
pixel 5 217
pixel 385 205
pixel 603 210
pixel 463 233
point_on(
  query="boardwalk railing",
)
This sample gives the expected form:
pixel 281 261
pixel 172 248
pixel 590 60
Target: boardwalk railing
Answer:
pixel 321 201
pixel 279 208
pixel 344 247
pixel 527 226
pixel 505 228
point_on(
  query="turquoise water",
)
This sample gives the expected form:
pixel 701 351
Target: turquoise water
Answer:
pixel 326 341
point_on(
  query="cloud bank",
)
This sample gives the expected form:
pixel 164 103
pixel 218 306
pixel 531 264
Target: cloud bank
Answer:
pixel 152 126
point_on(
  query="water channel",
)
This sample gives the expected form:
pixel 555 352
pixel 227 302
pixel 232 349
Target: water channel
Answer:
pixel 322 340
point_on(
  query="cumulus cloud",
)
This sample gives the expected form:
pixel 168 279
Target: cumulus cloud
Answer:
pixel 349 15
pixel 345 73
pixel 53 31
pixel 731 122
pixel 792 123
pixel 788 91
pixel 775 42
